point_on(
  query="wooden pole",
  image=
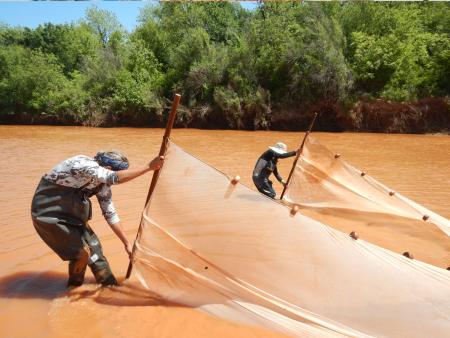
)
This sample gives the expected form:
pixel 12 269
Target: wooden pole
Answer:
pixel 298 155
pixel 162 152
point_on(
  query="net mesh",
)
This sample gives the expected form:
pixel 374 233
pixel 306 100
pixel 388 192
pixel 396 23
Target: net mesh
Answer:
pixel 232 252
pixel 323 180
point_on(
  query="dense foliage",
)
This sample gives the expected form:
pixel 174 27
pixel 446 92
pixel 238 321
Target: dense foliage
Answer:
pixel 267 68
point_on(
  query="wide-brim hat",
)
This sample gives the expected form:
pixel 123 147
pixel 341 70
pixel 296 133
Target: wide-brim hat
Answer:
pixel 279 148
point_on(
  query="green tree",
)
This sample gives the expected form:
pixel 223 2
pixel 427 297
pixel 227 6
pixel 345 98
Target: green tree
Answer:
pixel 397 51
pixel 103 23
pixel 32 82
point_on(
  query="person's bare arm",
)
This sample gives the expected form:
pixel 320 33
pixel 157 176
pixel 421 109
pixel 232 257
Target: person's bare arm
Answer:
pixel 118 230
pixel 129 174
pixel 125 176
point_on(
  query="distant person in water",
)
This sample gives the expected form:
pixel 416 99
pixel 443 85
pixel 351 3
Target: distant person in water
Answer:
pixel 61 209
pixel 266 165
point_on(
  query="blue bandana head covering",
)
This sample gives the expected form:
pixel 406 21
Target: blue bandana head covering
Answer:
pixel 113 159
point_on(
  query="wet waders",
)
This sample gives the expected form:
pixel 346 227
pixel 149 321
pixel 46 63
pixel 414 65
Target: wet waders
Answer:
pixel 60 216
pixel 264 186
pixel 265 166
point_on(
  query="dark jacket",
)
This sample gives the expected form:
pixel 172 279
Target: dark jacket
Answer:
pixel 267 164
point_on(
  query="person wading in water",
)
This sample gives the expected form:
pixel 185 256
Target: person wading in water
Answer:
pixel 266 165
pixel 61 209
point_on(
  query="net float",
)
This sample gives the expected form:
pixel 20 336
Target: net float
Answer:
pixel 235 180
pixel 354 235
pixel 408 254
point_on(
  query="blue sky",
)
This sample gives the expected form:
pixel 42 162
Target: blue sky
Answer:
pixel 33 13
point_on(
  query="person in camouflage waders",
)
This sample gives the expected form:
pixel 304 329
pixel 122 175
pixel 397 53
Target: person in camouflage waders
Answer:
pixel 61 209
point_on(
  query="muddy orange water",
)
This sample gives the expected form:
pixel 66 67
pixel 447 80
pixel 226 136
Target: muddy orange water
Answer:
pixel 34 301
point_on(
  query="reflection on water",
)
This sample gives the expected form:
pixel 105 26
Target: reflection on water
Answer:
pixel 32 278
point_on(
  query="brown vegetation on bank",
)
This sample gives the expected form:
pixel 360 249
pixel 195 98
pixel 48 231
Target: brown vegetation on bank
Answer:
pixel 429 115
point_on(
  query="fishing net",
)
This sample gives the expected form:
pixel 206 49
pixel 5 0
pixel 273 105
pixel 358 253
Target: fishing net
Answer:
pixel 324 180
pixel 232 252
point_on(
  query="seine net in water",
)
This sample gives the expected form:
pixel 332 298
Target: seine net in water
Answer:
pixel 323 180
pixel 232 252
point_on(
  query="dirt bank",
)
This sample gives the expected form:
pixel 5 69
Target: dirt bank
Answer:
pixel 429 115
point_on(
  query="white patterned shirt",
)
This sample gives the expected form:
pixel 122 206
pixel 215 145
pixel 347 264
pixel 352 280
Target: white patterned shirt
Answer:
pixel 83 171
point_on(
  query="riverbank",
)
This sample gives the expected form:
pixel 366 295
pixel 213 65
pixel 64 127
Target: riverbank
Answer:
pixel 429 115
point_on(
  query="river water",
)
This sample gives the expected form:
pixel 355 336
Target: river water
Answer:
pixel 33 298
